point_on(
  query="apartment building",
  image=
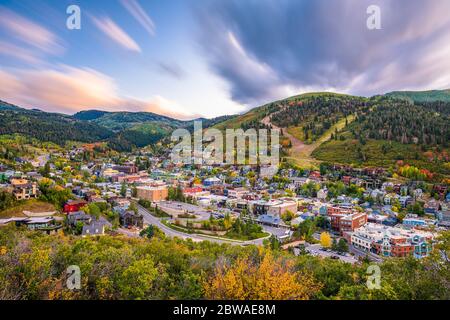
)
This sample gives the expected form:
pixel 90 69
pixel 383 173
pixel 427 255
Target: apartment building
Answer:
pixel 150 193
pixel 391 241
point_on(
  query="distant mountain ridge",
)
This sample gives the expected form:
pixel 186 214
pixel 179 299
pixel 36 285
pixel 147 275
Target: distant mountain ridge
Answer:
pixel 421 96
pixel 122 130
pixel 121 120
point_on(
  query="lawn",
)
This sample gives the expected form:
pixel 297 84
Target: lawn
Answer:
pixel 32 205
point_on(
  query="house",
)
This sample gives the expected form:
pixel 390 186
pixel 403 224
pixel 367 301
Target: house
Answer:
pixel 95 228
pixel 299 181
pixel 211 181
pixel 74 205
pixel 322 194
pixel 346 180
pixel 444 218
pixel 405 201
pixel 130 218
pixel 127 169
pixel 431 206
pixel 78 216
pixel 413 222
pixel 193 192
pixel 315 175
pixel 237 193
pixel 44 224
pixel 23 189
pixel 269 220
pixel 259 207
pixel 218 189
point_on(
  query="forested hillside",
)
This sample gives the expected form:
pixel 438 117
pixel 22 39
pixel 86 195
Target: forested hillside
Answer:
pixel 313 115
pixel 402 121
pixel 52 127
pixel 422 96
pixel 118 121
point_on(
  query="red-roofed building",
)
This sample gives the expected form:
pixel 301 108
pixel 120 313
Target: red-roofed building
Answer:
pixel 192 191
pixel 74 205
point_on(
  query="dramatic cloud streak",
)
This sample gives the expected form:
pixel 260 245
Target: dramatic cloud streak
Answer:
pixel 266 49
pixel 115 33
pixel 29 32
pixel 68 89
pixel 19 53
pixel 140 15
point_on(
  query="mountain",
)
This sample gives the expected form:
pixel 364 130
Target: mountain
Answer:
pixel 122 130
pixel 421 96
pixel 375 131
pixel 89 114
pixel 45 126
pixel 122 120
pixel 7 106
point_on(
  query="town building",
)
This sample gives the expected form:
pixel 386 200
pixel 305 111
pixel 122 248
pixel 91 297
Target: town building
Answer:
pixel 130 218
pixel 24 189
pixel 153 194
pixel 391 241
pixel 74 205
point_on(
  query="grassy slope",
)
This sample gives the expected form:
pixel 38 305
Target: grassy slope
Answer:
pixel 28 205
pixel 304 156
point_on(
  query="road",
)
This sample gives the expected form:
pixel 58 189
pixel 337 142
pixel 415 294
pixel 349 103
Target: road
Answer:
pixel 363 254
pixel 150 219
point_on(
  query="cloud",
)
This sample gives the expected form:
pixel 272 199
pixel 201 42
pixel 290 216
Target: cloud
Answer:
pixel 19 53
pixel 68 89
pixel 29 32
pixel 115 33
pixel 266 50
pixel 140 15
pixel 171 69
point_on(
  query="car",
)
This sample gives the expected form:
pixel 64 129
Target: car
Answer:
pixel 334 257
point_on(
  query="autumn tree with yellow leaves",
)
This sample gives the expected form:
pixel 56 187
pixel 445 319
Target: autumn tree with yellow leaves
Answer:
pixel 325 240
pixel 268 279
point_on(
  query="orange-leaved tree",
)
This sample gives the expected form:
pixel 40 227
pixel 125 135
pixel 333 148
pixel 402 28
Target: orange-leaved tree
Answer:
pixel 267 278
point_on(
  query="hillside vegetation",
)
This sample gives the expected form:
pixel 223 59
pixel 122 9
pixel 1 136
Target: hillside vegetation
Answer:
pixel 123 131
pixel 422 96
pixel 117 267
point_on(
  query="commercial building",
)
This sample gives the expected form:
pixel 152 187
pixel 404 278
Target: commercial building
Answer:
pixel 153 194
pixel 391 241
pixel 347 222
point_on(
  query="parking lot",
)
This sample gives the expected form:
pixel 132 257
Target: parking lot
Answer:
pixel 316 250
pixel 175 208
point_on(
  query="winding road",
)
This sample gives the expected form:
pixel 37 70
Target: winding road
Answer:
pixel 150 219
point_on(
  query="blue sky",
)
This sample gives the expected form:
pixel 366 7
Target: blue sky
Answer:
pixel 186 58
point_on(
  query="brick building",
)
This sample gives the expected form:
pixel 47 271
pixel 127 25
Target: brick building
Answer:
pixel 153 194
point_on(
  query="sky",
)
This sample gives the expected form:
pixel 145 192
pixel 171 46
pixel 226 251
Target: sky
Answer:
pixel 191 58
